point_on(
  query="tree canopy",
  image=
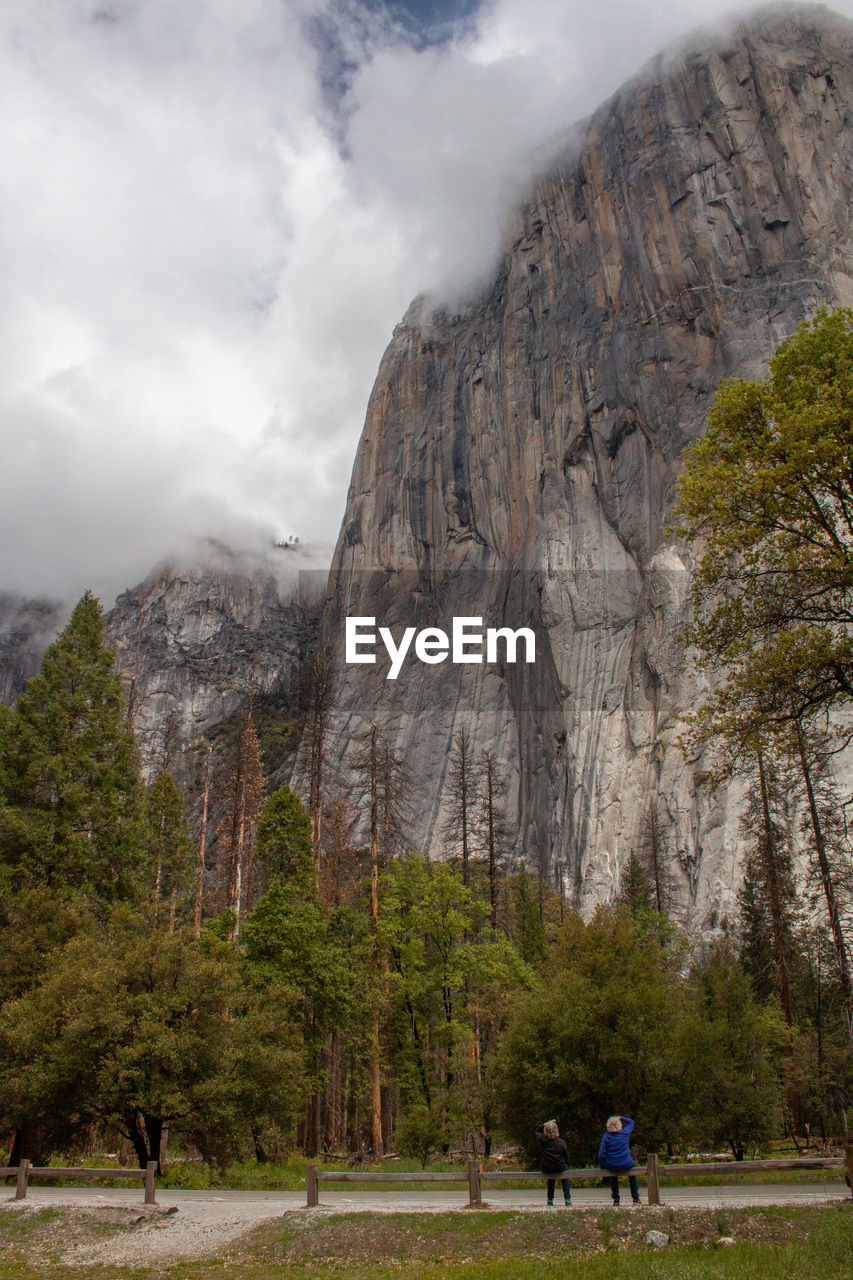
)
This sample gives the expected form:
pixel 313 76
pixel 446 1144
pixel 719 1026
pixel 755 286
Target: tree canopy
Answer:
pixel 768 499
pixel 71 801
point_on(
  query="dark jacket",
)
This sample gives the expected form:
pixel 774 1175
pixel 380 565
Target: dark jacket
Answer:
pixel 553 1153
pixel 614 1152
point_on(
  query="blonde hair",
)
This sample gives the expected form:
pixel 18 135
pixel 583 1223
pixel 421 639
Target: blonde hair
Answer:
pixel 550 1129
pixel 614 1124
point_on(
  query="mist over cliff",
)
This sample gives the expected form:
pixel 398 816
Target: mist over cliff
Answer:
pixel 520 453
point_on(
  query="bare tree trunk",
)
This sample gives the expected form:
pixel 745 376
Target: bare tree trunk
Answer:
pixel 202 842
pixel 248 795
pixel 375 1047
pixel 777 922
pixel 778 931
pixel 493 861
pixel 463 788
pixel 828 887
pixel 333 1122
pixel 320 694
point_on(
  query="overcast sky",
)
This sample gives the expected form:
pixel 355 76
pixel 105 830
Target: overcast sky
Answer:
pixel 212 214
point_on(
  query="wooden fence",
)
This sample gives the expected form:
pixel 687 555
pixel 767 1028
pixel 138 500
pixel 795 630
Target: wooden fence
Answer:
pixel 24 1171
pixel 654 1172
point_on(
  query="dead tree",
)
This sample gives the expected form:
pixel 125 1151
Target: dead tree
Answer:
pixel 653 853
pixel 319 699
pixel 464 779
pixel 246 794
pixel 494 834
pixel 202 843
pixel 381 778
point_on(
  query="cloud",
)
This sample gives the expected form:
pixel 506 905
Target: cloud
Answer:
pixel 211 216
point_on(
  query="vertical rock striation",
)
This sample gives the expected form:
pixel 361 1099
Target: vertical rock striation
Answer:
pixel 519 457
pixel 196 642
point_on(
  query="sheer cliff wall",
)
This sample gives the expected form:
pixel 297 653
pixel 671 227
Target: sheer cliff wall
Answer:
pixel 519 456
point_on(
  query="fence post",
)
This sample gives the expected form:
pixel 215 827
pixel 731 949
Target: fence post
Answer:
pixel 848 1156
pixel 151 1182
pixel 312 1186
pixel 21 1183
pixel 652 1179
pixel 474 1193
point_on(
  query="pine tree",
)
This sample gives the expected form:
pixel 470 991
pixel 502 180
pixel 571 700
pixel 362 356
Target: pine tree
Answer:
pixel 654 856
pixel 169 846
pixel 71 807
pixel 768 898
pixel 636 887
pixel 284 839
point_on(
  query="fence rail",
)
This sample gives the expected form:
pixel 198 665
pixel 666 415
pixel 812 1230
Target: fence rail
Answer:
pixel 24 1171
pixel 653 1172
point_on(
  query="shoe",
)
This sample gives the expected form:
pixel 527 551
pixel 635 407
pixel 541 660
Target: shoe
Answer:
pixel 550 1204
pixel 636 1200
pixel 615 1204
pixel 568 1204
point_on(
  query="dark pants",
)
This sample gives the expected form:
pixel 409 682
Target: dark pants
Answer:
pixel 632 1183
pixel 567 1189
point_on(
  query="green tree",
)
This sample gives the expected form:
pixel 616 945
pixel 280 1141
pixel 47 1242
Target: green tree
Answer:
pixel 768 495
pixel 419 1132
pixel 48 1046
pixel 526 927
pixel 732 1050
pixel 321 960
pixel 636 887
pixel 71 795
pixel 269 1064
pixel 170 850
pixel 284 846
pixel 597 1035
pixel 768 897
pixel 128 1024
pixel 449 981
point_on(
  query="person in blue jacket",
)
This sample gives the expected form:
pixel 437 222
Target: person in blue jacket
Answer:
pixel 614 1156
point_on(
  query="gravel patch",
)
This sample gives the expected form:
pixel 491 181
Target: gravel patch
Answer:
pixel 202 1223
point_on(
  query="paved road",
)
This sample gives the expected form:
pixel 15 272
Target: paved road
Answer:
pixel 262 1204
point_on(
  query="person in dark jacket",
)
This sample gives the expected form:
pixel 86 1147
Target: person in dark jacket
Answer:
pixel 614 1155
pixel 553 1159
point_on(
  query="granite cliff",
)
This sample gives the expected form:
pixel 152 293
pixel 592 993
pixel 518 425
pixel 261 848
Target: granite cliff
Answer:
pixel 194 641
pixel 520 453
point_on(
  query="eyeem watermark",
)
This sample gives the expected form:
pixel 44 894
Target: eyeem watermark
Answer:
pixel 432 645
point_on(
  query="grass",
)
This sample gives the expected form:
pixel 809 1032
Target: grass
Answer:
pixel 815 1243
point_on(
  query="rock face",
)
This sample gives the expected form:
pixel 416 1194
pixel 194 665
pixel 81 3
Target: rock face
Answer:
pixel 519 457
pixel 194 642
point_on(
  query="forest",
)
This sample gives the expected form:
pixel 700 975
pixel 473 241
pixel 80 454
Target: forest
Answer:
pixel 284 973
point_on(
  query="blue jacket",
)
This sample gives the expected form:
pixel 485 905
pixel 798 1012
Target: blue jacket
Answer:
pixel 615 1152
